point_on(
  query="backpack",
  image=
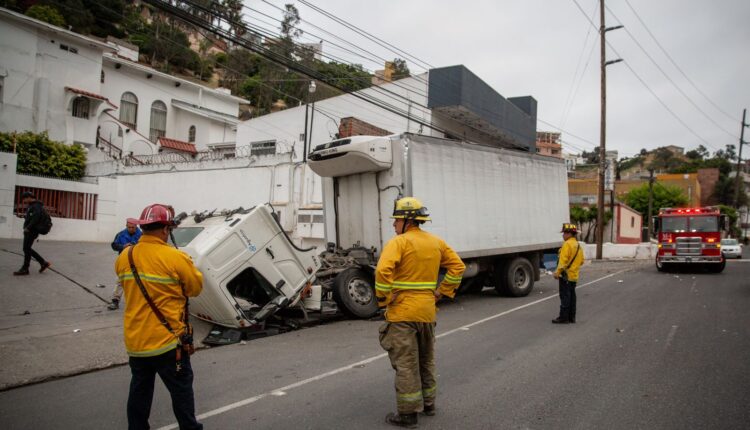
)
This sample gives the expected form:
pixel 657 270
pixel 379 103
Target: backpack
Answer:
pixel 45 222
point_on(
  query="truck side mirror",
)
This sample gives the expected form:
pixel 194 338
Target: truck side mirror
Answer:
pixel 723 223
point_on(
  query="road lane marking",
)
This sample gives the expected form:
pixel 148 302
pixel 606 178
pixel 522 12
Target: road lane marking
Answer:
pixel 366 361
pixel 670 336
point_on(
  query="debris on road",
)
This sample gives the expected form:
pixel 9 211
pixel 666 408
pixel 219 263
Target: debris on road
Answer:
pixel 620 281
pixel 76 330
pixel 101 286
pixel 620 330
pixel 26 313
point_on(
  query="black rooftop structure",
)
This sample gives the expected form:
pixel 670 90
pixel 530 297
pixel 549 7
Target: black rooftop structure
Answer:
pixel 461 95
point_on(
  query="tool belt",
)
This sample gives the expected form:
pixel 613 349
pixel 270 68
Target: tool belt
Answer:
pixel 185 340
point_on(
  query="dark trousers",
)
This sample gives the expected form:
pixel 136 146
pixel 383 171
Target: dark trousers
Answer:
pixel 28 241
pixel 411 348
pixel 179 384
pixel 567 299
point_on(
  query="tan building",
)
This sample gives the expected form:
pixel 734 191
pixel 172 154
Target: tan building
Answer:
pixel 584 192
pixel 548 143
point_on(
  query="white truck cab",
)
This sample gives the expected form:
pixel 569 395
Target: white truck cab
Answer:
pixel 250 267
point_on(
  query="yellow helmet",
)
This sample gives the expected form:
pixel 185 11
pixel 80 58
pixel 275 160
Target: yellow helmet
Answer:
pixel 410 208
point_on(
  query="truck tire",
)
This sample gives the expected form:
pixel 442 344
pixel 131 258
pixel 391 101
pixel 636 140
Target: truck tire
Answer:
pixel 516 278
pixel 718 268
pixel 662 267
pixel 354 293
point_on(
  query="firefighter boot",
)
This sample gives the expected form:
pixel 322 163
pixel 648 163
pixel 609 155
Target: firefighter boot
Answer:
pixel 429 410
pixel 560 320
pixel 402 420
pixel 114 305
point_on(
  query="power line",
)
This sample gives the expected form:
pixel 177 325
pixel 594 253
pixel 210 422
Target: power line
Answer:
pixel 676 66
pixel 695 105
pixel 684 124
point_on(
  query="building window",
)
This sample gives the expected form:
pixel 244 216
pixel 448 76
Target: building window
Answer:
pixel 129 109
pixel 191 134
pixel 158 124
pixel 101 78
pixel 265 147
pixel 81 107
pixel 632 221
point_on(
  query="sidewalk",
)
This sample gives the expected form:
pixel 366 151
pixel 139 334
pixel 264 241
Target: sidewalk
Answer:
pixel 56 323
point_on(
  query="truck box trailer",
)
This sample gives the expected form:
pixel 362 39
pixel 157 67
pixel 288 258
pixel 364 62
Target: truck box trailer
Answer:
pixel 500 209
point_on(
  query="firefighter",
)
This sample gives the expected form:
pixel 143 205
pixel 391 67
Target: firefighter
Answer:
pixel 406 286
pixel 568 265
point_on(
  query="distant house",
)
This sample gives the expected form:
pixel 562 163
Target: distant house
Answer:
pixel 548 143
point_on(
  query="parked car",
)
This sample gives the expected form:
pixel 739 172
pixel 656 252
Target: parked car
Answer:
pixel 730 248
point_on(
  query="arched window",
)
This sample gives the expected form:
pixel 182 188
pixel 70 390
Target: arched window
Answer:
pixel 191 134
pixel 158 126
pixel 129 109
pixel 81 107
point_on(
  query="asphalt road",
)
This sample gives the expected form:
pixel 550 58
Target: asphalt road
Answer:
pixel 650 350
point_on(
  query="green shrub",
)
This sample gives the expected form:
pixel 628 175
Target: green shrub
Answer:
pixel 38 155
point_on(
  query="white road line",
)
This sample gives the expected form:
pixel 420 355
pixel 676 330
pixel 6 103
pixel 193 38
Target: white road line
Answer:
pixel 670 336
pixel 275 392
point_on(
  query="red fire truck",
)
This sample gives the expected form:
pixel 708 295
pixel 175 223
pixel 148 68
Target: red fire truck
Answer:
pixel 689 236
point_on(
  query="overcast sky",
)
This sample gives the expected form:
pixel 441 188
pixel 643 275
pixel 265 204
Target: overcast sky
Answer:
pixel 535 47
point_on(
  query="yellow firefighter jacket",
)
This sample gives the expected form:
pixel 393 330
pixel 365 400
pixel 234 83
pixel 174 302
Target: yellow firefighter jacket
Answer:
pixel 567 252
pixel 407 274
pixel 165 272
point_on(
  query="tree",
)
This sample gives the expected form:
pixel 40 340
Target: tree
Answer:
pixel 38 155
pixel 47 14
pixel 289 22
pixel 586 219
pixel 232 10
pixel 664 196
pixel 724 191
pixel 664 159
pixel 644 151
pixel 400 69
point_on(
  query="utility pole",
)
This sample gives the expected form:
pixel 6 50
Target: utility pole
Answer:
pixel 739 162
pixel 602 130
pixel 650 203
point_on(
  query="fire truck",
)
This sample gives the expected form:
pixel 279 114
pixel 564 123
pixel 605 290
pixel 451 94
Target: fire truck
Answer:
pixel 689 236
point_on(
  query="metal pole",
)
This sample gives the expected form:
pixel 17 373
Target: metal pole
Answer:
pixel 304 144
pixel 312 117
pixel 650 203
pixel 602 137
pixel 739 162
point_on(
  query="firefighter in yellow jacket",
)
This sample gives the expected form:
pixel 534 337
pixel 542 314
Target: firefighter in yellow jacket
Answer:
pixel 568 265
pixel 406 284
pixel 169 278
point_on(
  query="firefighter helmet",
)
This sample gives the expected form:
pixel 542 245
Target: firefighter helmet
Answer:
pixel 157 214
pixel 410 208
pixel 569 228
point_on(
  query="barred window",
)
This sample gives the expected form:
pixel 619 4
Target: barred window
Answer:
pixel 265 147
pixel 129 109
pixel 158 127
pixel 81 107
pixel 191 134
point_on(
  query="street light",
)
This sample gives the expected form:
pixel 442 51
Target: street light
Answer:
pixel 310 90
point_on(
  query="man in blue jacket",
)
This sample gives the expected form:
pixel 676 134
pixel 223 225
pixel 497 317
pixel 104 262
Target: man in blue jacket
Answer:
pixel 128 236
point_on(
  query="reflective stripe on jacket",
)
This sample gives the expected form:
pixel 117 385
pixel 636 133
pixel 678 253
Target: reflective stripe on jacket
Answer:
pixel 407 274
pixel 567 252
pixel 165 272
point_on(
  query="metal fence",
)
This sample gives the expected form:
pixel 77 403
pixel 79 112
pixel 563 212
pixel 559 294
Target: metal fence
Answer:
pixel 178 157
pixel 59 204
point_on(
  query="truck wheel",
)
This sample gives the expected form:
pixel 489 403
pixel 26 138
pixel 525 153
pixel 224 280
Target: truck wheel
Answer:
pixel 354 293
pixel 662 267
pixel 518 278
pixel 718 268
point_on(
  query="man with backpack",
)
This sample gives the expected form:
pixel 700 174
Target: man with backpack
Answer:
pixel 36 222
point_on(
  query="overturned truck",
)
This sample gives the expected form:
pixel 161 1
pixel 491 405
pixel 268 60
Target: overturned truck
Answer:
pixel 500 209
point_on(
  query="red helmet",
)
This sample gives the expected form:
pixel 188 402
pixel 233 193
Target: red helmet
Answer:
pixel 157 213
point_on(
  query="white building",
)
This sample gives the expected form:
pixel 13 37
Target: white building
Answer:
pixel 50 80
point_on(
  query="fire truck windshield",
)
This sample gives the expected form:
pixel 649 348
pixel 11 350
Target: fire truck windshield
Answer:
pixel 693 224
pixel 704 224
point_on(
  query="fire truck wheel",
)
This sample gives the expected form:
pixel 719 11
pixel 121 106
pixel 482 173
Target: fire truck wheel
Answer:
pixel 515 278
pixel 718 268
pixel 354 293
pixel 662 267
